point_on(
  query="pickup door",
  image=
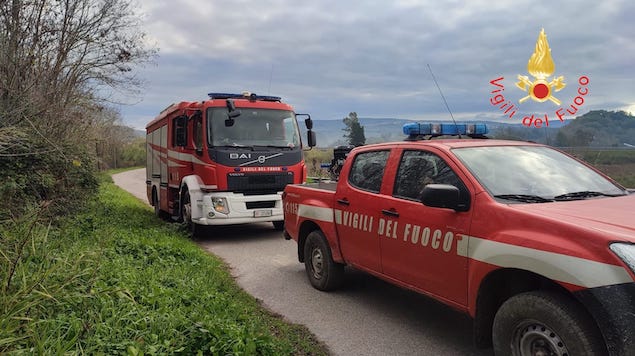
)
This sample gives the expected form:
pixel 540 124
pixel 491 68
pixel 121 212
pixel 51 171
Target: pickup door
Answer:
pixel 356 213
pixel 420 246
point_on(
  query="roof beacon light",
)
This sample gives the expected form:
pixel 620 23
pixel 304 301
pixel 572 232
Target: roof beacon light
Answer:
pixel 244 95
pixel 416 130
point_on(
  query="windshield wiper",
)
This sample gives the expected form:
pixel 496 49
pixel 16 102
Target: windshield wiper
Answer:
pixel 236 145
pixel 274 146
pixel 583 195
pixel 525 198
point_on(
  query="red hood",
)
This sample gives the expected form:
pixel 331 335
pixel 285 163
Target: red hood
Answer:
pixel 614 216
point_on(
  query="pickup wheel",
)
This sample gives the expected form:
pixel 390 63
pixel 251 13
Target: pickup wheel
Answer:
pixel 324 273
pixel 544 323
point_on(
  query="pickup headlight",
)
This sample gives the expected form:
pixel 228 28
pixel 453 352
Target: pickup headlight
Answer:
pixel 626 252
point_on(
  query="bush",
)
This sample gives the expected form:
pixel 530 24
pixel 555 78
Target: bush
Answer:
pixel 34 173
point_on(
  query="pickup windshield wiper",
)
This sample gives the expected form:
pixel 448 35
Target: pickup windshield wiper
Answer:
pixel 583 195
pixel 525 198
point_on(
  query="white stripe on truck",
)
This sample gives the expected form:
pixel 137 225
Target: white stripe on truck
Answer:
pixel 556 266
pixel 315 213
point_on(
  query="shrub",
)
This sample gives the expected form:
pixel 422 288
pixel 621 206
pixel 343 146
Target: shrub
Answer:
pixel 32 172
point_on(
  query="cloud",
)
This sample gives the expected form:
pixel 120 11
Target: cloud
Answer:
pixel 331 57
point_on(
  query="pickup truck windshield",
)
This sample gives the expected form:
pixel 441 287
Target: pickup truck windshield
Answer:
pixel 533 174
pixel 254 127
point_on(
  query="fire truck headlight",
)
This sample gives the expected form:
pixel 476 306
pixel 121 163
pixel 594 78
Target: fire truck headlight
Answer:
pixel 626 252
pixel 220 205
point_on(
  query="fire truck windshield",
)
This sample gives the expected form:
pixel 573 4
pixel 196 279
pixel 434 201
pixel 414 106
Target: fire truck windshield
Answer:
pixel 534 174
pixel 254 127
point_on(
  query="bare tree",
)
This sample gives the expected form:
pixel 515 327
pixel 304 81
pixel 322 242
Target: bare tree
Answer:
pixel 59 60
pixel 58 56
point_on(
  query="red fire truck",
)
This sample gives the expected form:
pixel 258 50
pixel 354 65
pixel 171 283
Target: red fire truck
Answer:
pixel 536 246
pixel 225 160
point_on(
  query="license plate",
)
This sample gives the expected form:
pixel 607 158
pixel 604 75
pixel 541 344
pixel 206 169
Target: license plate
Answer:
pixel 262 213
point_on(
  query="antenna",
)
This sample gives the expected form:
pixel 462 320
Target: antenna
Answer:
pixel 270 77
pixel 443 97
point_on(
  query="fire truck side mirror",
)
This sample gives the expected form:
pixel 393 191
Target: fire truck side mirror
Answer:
pixel 231 113
pixel 309 123
pixel 310 138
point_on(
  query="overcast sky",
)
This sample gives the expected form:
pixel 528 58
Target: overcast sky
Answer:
pixel 331 57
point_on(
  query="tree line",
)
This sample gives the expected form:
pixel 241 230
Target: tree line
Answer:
pixel 60 63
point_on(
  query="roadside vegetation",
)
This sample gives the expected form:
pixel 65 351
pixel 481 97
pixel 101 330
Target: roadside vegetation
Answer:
pixel 113 279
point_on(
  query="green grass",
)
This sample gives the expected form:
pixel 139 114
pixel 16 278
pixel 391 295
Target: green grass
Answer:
pixel 116 280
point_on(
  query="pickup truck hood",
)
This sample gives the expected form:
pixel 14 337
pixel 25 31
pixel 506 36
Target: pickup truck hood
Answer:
pixel 615 216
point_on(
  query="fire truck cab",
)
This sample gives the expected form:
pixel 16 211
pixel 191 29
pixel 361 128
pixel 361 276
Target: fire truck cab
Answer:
pixel 225 160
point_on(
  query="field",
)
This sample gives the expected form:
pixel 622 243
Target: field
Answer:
pixel 618 164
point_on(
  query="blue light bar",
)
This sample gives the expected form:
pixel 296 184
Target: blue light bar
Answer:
pixel 419 129
pixel 245 95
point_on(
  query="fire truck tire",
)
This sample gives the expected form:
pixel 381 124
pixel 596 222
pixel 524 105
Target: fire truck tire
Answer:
pixel 324 273
pixel 186 215
pixel 278 225
pixel 544 323
pixel 157 211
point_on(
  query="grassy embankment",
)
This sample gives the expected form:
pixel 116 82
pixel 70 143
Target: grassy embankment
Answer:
pixel 116 280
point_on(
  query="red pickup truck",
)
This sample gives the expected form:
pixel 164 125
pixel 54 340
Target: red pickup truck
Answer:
pixel 536 246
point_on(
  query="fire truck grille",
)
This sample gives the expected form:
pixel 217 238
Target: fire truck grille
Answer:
pixel 260 204
pixel 258 183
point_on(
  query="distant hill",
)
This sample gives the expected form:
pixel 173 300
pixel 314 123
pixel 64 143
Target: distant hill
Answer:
pixel 599 128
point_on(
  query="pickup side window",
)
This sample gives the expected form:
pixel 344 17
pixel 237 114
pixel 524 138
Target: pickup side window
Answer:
pixel 367 170
pixel 420 168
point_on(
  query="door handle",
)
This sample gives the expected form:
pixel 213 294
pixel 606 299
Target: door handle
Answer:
pixel 344 202
pixel 390 213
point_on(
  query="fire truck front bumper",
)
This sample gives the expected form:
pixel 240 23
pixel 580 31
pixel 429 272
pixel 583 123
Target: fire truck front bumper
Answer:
pixel 226 208
pixel 613 308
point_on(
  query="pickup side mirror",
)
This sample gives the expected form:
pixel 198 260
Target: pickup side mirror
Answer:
pixel 442 196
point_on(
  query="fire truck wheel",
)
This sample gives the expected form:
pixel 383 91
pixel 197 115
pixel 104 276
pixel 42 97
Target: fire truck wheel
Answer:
pixel 157 211
pixel 544 323
pixel 186 215
pixel 155 204
pixel 278 225
pixel 324 273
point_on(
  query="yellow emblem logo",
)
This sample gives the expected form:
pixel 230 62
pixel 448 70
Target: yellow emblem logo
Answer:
pixel 541 67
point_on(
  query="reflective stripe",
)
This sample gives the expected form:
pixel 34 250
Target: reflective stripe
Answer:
pixel 316 213
pixel 556 266
pixel 187 157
